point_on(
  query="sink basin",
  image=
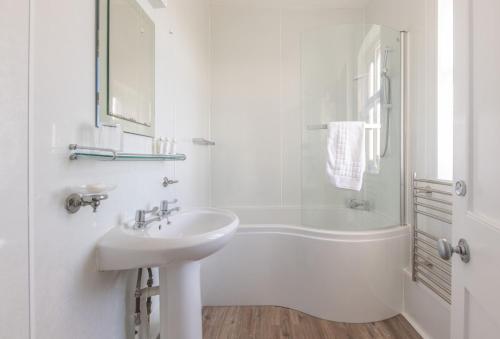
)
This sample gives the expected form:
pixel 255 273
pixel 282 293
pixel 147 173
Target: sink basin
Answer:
pixel 192 235
pixel 176 249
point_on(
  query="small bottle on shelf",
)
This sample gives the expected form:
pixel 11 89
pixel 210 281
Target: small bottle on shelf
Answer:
pixel 158 144
pixel 166 146
pixel 173 146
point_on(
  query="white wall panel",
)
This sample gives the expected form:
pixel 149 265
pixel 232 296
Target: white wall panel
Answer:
pixel 256 105
pixel 14 263
pixel 246 163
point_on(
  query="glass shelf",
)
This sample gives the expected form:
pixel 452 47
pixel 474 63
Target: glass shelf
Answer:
pixel 104 154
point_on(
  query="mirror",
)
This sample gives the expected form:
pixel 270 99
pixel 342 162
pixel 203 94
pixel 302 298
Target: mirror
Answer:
pixel 125 67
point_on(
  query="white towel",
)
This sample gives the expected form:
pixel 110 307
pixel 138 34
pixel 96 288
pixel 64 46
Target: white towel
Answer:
pixel 346 154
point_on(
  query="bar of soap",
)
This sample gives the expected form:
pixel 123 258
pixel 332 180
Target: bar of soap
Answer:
pixel 96 188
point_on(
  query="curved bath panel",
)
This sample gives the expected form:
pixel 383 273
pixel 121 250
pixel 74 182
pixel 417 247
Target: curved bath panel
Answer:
pixel 354 277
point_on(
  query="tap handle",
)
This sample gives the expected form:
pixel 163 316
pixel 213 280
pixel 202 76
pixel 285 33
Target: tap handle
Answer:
pixel 154 210
pixel 165 203
pixel 140 215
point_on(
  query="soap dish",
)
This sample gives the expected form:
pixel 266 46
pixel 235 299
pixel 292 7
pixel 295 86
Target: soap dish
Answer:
pixel 97 188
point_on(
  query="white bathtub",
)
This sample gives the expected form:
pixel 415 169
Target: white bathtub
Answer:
pixel 335 275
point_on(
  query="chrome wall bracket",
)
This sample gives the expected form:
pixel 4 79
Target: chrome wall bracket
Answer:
pixel 460 188
pixel 167 182
pixel 76 201
pixel 203 142
pixel 75 147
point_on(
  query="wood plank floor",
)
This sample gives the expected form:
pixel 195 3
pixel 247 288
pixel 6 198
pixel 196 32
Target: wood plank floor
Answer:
pixel 270 322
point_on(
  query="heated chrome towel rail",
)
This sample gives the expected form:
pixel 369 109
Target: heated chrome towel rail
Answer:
pixel 325 126
pixel 431 199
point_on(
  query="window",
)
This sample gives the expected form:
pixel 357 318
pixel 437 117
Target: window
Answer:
pixel 369 95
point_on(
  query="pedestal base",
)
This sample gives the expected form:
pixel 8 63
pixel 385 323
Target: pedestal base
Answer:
pixel 180 301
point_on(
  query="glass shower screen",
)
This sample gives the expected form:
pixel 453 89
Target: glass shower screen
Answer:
pixel 352 73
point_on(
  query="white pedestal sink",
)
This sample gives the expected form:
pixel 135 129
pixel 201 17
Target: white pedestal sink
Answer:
pixel 176 249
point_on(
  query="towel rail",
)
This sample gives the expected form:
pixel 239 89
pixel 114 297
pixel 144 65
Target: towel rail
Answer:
pixel 434 208
pixel 431 199
pixel 203 142
pixel 428 243
pixel 430 236
pixel 425 262
pixel 325 126
pixel 445 284
pixel 433 216
pixel 431 190
pixel 428 252
pixel 435 270
pixel 435 182
pixel 444 295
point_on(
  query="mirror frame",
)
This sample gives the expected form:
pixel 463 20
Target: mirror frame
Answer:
pixel 102 116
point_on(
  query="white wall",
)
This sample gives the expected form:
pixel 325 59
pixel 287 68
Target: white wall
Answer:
pixel 419 19
pixel 256 103
pixel 14 292
pixel 70 298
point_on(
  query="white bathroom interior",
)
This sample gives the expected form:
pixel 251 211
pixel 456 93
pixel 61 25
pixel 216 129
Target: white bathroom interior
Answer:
pixel 219 169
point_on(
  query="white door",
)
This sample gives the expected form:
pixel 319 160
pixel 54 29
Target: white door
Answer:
pixel 476 285
pixel 14 283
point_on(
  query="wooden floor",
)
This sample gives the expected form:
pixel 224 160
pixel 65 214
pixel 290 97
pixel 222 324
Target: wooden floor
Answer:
pixel 269 322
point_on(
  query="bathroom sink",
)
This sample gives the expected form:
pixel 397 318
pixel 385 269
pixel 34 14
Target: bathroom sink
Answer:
pixel 175 248
pixel 191 236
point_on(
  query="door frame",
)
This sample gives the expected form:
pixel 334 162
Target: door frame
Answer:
pixel 462 107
